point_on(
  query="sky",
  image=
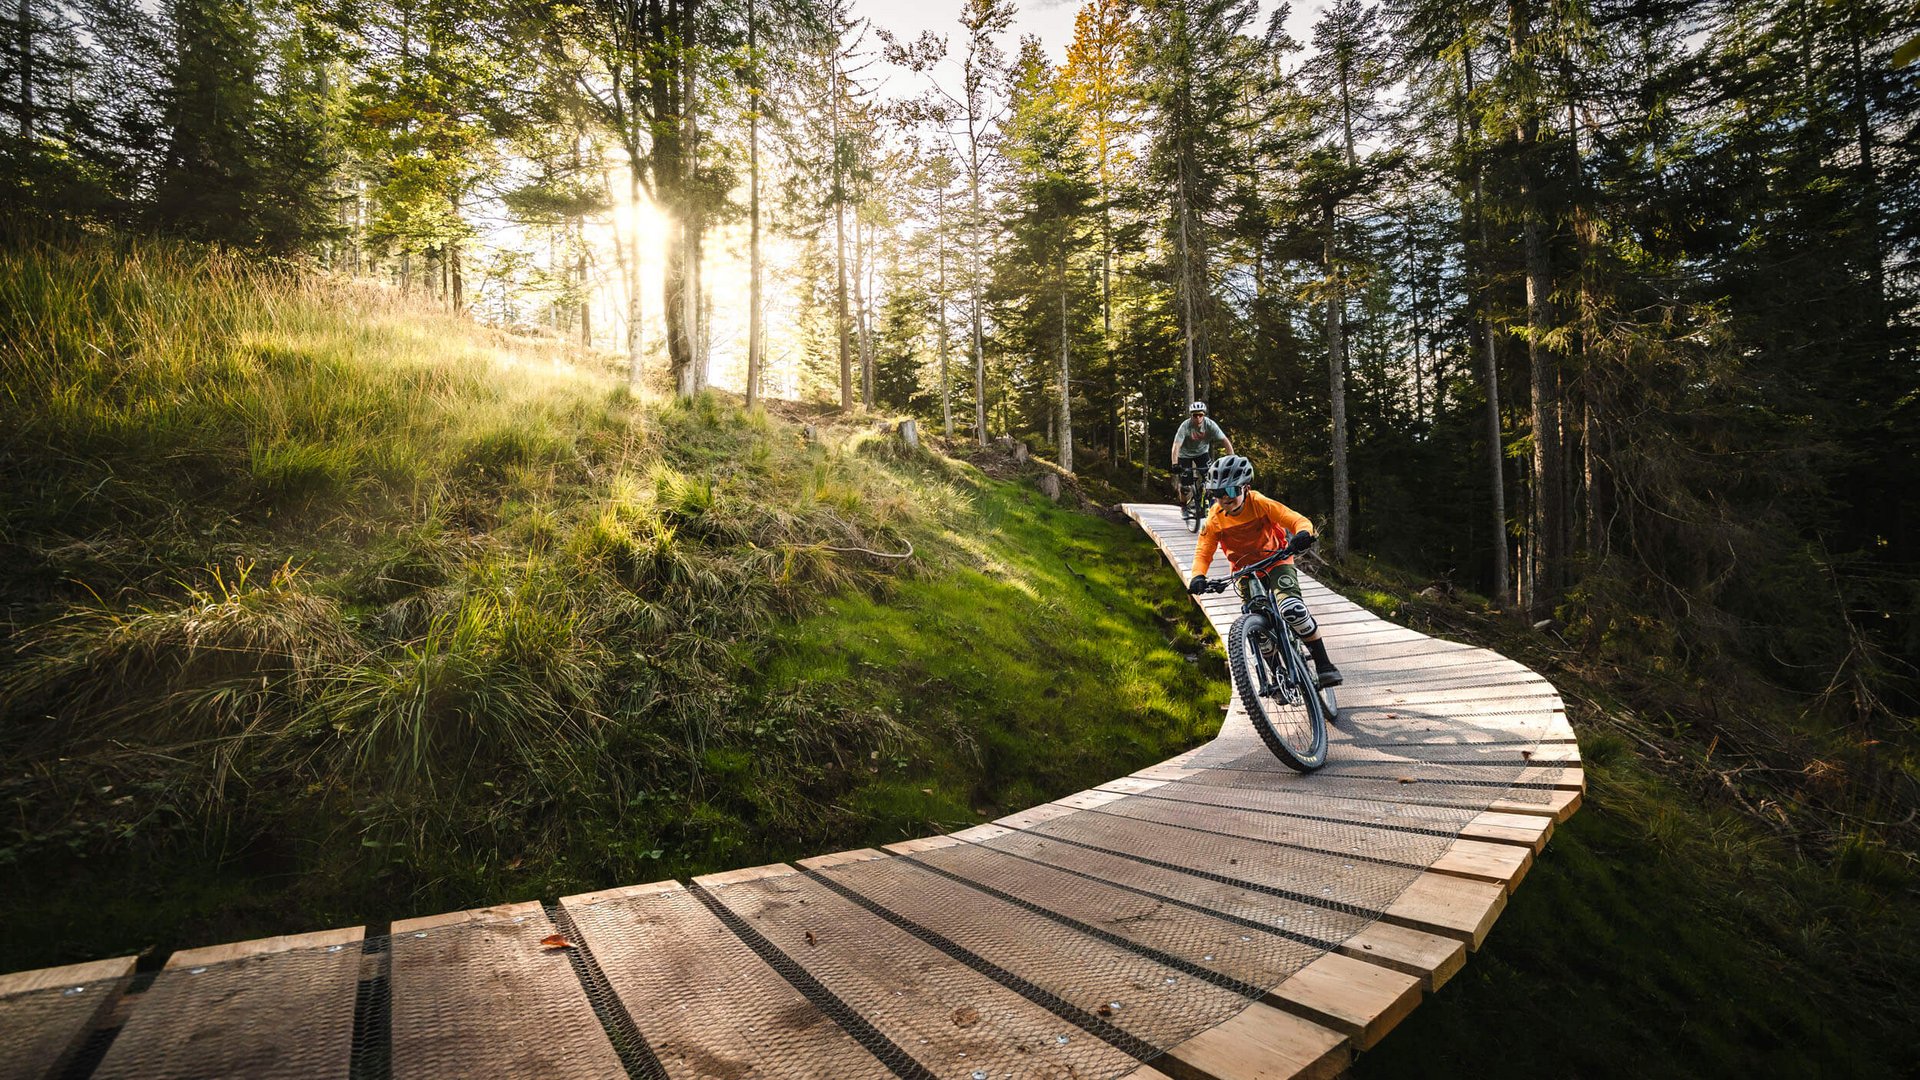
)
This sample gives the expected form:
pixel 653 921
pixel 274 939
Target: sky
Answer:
pixel 1050 20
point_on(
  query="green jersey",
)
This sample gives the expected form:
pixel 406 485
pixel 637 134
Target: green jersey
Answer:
pixel 1199 441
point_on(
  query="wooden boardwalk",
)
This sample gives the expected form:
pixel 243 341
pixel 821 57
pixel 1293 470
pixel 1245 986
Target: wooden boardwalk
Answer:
pixel 1211 916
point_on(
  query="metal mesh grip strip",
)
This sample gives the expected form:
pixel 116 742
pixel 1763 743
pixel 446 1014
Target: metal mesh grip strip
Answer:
pixel 1167 898
pixel 1238 883
pixel 889 1052
pixel 1158 956
pixel 1139 1048
pixel 636 1056
pixel 1376 860
pixel 1443 833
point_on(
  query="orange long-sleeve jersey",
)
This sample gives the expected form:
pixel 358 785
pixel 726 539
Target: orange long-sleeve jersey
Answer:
pixel 1261 527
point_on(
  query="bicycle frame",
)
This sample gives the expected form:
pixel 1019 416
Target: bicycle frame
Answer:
pixel 1256 598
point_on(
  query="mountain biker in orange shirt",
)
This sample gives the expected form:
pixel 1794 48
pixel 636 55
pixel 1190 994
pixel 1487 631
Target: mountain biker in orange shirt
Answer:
pixel 1250 527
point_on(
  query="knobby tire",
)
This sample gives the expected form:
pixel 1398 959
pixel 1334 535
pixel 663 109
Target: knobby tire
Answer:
pixel 1297 733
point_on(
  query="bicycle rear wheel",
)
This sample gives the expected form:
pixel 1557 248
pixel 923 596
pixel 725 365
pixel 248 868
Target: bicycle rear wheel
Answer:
pixel 1278 691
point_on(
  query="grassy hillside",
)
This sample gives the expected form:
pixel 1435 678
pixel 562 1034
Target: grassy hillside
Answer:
pixel 324 608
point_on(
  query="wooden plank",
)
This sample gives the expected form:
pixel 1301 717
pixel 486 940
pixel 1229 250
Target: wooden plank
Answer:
pixel 1429 957
pixel 67 978
pixel 1558 777
pixel 1147 996
pixel 1131 785
pixel 743 875
pixel 1224 898
pixel 624 892
pixel 240 950
pixel 1500 864
pixel 1155 920
pixel 925 843
pixel 1449 906
pixel 1334 890
pixel 516 912
pixel 1466 723
pixel 1531 830
pixel 1544 698
pixel 1091 799
pixel 1507 756
pixel 841 858
pixel 46 1014
pixel 1559 805
pixel 1261 1043
pixel 705 1002
pixel 1413 792
pixel 275 1007
pixel 475 993
pixel 938 1011
pixel 1363 1000
pixel 1497 863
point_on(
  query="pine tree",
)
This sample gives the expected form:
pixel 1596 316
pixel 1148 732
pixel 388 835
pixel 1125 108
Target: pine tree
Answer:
pixel 1051 211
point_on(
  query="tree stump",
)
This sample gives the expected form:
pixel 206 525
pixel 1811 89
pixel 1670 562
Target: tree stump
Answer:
pixel 1020 453
pixel 1050 485
pixel 810 433
pixel 910 434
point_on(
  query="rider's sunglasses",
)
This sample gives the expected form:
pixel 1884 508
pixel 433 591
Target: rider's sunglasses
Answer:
pixel 1226 494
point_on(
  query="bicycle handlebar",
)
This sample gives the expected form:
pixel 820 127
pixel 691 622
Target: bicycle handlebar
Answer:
pixel 1215 585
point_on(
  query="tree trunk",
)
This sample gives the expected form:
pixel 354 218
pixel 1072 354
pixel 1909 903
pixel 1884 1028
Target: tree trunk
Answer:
pixel 839 236
pixel 1337 386
pixel 1480 266
pixel 860 256
pixel 754 357
pixel 693 370
pixel 1066 377
pixel 671 157
pixel 636 344
pixel 1546 576
pixel 24 112
pixel 946 382
pixel 973 287
pixel 580 282
pixel 1186 289
pixel 1868 184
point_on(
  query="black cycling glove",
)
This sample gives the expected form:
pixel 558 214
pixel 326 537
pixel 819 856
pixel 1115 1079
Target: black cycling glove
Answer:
pixel 1301 542
pixel 1198 585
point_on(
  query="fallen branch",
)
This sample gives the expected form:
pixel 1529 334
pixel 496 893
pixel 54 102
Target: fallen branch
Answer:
pixel 908 554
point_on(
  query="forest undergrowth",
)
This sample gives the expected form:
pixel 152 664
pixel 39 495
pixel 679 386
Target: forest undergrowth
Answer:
pixel 1717 907
pixel 323 607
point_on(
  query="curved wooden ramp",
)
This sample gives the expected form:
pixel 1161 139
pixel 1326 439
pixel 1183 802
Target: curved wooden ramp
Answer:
pixel 1213 916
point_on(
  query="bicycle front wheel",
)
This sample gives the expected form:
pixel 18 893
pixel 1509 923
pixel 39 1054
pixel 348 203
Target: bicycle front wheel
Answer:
pixel 1198 511
pixel 1277 691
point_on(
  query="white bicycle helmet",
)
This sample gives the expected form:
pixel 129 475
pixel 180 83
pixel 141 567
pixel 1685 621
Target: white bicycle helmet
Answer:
pixel 1198 406
pixel 1230 475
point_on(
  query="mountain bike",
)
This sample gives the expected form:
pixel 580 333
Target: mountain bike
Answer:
pixel 1193 478
pixel 1273 672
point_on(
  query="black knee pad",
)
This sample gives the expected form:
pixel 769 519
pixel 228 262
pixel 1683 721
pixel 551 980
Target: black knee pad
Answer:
pixel 1294 610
